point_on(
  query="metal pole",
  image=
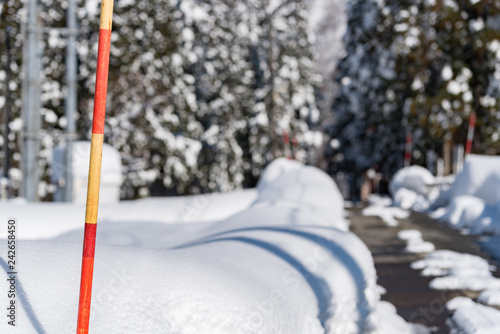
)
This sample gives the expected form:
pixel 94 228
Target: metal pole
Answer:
pixel 32 107
pixel 71 97
pixel 6 150
pixel 95 166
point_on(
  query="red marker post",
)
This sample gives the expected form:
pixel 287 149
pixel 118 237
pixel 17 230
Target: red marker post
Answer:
pixel 470 134
pixel 286 139
pixel 95 166
pixel 408 148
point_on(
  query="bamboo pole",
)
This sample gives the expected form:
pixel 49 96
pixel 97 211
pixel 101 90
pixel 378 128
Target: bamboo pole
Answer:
pixel 95 166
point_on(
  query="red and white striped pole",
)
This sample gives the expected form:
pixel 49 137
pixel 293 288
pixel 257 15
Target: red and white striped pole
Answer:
pixel 286 139
pixel 95 166
pixel 470 133
pixel 408 148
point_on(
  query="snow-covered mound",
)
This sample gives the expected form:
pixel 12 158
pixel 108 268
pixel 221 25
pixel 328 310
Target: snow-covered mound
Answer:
pixel 480 178
pixel 473 200
pixel 412 188
pixel 277 266
pixel 475 319
pixel 490 298
pixel 289 184
pixel 415 178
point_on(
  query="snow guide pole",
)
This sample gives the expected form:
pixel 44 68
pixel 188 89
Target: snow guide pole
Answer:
pixel 95 166
pixel 286 139
pixel 408 148
pixel 470 134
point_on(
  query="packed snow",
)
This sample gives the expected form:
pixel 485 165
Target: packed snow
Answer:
pixel 414 242
pixel 475 319
pixel 458 271
pixel 382 208
pixel 278 259
pixel 490 298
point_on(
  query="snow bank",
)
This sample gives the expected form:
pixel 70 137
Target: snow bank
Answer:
pixel 414 178
pixel 490 298
pixel 287 183
pixel 413 188
pixel 279 265
pixel 464 211
pixel 459 302
pixel 459 271
pixel 473 200
pixel 480 178
pixel 47 220
pixel 475 319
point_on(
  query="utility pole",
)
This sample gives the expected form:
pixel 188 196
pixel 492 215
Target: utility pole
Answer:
pixel 6 151
pixel 31 111
pixel 271 113
pixel 71 99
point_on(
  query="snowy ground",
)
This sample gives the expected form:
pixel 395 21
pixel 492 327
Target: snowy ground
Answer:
pixel 278 259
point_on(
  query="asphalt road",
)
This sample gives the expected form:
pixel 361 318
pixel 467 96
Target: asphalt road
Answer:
pixel 406 289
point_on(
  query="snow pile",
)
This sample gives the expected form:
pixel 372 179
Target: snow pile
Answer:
pixel 273 267
pixel 289 184
pixel 412 188
pixel 414 242
pixel 40 221
pixel 473 200
pixel 480 178
pixel 472 318
pixel 490 298
pixel 459 271
pixel 381 207
pixel 458 302
pixel 475 319
pixel 414 178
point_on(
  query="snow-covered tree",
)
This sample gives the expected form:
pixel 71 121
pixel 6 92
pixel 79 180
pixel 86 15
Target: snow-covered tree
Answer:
pixel 413 66
pixel 198 90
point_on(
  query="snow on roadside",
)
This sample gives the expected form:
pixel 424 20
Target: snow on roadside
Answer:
pixel 459 271
pixel 459 302
pixel 414 242
pixel 490 297
pixel 472 201
pixel 475 319
pixel 413 188
pixel 381 207
pixel 284 263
